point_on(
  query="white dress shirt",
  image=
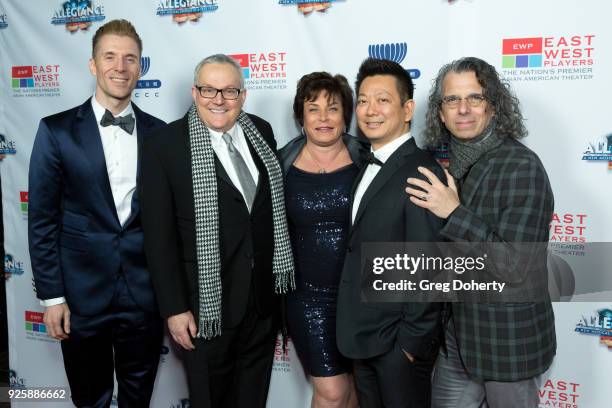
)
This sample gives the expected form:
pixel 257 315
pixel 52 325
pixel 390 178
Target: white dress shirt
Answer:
pixel 220 148
pixel 121 155
pixel 372 170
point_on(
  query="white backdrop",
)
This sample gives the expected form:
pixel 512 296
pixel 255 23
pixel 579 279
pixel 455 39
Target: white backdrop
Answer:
pixel 564 91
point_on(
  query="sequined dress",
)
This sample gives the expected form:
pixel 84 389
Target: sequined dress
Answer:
pixel 318 208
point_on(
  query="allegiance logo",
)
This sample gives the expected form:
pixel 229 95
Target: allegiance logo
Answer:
pixel 36 80
pixel 185 10
pixel 78 15
pixel 144 85
pixel 599 151
pixel 307 7
pixel 7 146
pixel 263 70
pixel 34 322
pixel 394 52
pixel 598 324
pixel 12 266
pixel 15 381
pixel 568 57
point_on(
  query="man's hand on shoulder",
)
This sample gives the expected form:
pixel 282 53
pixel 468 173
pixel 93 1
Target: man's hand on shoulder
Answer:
pixel 439 198
pixel 57 321
pixel 182 328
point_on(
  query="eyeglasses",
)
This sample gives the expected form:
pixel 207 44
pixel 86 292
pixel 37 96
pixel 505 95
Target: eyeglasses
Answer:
pixel 210 93
pixel 453 101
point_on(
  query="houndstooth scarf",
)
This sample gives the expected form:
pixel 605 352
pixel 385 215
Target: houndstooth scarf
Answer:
pixel 207 220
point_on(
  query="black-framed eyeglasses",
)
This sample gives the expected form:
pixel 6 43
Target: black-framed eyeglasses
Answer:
pixel 473 100
pixel 210 92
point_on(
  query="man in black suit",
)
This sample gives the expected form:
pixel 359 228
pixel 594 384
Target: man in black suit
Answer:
pixel 393 345
pixel 216 238
pixel 85 233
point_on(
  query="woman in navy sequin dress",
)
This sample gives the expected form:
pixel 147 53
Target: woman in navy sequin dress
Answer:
pixel 320 167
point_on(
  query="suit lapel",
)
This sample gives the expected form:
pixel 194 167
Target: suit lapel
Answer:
pixel 395 161
pixel 225 178
pixel 85 130
pixel 354 188
pixel 222 174
pixel 261 181
pixel 143 127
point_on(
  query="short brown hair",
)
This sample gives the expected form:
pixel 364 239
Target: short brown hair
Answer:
pixel 311 85
pixel 118 27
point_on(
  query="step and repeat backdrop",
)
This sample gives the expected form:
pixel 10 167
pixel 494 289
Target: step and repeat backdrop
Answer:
pixel 555 54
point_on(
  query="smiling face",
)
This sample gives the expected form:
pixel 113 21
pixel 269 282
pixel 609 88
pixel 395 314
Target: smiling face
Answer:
pixel 217 113
pixel 381 116
pixel 323 119
pixel 116 66
pixel 465 122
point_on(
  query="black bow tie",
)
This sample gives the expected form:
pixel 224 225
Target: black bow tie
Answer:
pixel 371 159
pixel 124 122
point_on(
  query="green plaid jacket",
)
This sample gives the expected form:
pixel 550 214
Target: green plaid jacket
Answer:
pixel 505 197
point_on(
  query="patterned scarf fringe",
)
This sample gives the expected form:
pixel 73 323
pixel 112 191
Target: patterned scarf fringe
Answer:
pixel 207 220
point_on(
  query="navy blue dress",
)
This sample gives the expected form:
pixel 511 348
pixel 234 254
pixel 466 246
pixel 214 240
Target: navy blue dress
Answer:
pixel 318 210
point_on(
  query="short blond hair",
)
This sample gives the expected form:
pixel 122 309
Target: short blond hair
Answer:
pixel 120 27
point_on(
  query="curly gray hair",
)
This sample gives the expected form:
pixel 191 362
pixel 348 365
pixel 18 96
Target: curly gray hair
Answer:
pixel 505 105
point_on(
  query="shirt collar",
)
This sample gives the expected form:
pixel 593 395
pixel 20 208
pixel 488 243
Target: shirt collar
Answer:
pixel 99 109
pixel 387 150
pixel 219 135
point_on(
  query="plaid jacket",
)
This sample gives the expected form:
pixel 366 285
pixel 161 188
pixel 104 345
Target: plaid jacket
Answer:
pixel 506 197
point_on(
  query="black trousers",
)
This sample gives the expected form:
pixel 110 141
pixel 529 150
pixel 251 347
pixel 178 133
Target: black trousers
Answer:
pixel 392 381
pixel 123 339
pixel 234 369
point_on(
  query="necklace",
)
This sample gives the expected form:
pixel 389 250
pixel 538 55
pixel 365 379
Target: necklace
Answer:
pixel 322 169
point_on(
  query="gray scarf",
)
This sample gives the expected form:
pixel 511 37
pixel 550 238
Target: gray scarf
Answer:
pixel 464 153
pixel 207 220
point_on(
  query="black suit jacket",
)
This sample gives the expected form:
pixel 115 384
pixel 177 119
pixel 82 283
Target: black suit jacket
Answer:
pixel 386 214
pixel 246 240
pixel 77 245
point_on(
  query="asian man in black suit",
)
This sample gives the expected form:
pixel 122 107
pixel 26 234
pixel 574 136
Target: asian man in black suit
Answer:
pixel 393 345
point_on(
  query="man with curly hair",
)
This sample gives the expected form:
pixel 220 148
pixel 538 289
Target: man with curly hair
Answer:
pixel 497 193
